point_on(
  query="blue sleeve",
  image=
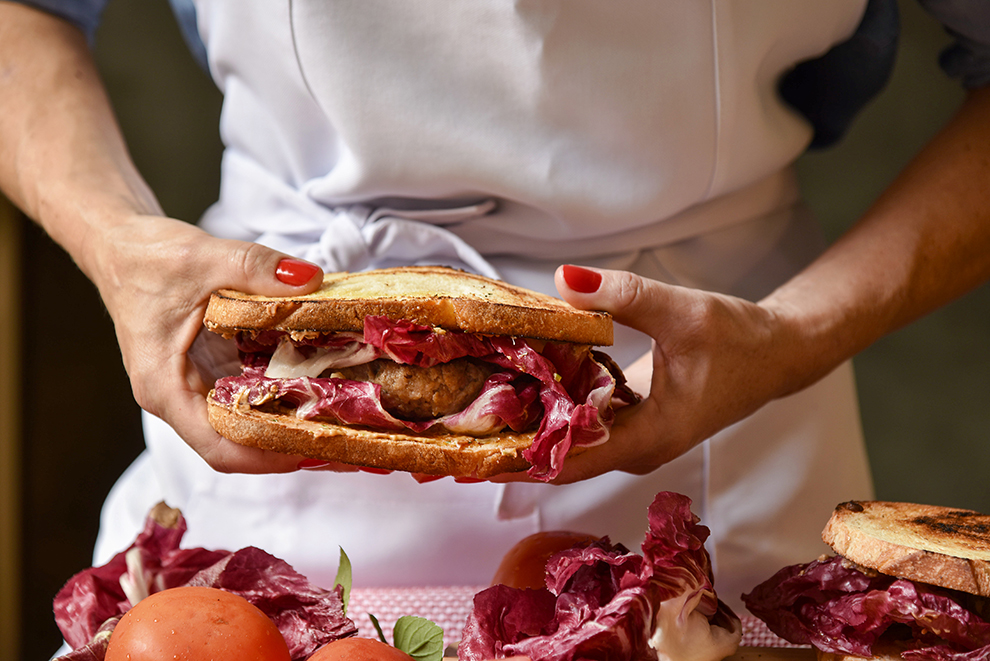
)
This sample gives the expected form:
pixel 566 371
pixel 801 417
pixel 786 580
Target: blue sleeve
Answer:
pixel 185 14
pixel 84 14
pixel 968 21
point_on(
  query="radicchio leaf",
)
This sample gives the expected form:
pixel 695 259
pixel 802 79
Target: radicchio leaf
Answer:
pixel 563 385
pixel 89 605
pixel 604 602
pixel 415 344
pixel 96 648
pixel 832 605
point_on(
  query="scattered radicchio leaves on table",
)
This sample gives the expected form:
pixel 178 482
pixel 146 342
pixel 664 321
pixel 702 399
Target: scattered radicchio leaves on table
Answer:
pixel 91 602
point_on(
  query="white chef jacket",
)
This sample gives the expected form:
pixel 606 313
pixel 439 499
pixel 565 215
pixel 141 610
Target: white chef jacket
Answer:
pixel 507 138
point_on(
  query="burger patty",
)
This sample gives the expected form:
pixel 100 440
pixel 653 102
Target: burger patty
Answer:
pixel 423 393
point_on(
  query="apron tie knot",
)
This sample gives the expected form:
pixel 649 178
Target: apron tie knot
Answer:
pixel 360 237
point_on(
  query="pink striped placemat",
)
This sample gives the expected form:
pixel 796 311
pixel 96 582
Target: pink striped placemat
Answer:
pixel 448 607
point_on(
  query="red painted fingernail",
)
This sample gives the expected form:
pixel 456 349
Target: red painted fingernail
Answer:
pixel 467 480
pixel 423 479
pixel 312 463
pixel 582 280
pixel 295 272
pixel 376 471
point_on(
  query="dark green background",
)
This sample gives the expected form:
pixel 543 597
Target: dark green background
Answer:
pixel 925 390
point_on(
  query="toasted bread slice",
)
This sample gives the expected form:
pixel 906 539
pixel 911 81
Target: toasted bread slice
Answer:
pixel 936 545
pixel 429 295
pixel 440 454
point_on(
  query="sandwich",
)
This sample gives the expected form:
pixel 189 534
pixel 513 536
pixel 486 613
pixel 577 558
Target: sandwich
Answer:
pixel 423 369
pixel 907 581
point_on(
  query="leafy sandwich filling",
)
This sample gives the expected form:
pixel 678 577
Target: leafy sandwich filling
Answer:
pixel 405 377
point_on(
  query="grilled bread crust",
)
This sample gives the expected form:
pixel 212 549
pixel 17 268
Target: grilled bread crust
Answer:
pixel 935 545
pixel 429 295
pixel 433 454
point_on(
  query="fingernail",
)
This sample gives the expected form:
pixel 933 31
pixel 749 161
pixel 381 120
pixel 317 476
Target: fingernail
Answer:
pixel 295 272
pixel 423 479
pixel 582 280
pixel 467 480
pixel 309 464
pixel 376 471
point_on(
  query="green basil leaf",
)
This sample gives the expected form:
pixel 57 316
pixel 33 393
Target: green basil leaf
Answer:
pixel 343 578
pixel 419 638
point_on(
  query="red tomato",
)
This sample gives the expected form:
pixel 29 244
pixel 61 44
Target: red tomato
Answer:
pixel 525 565
pixel 358 649
pixel 196 624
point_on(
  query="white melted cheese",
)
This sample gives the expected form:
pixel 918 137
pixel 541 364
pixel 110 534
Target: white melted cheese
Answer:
pixel 288 362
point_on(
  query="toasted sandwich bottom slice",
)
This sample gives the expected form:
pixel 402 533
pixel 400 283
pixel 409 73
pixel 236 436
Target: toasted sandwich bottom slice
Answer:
pixel 432 454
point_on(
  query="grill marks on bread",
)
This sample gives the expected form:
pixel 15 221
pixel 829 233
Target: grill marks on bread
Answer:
pixel 962 523
pixel 949 547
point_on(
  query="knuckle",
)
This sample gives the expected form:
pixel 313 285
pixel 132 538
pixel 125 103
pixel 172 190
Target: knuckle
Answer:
pixel 251 258
pixel 185 249
pixel 629 290
pixel 633 298
pixel 182 252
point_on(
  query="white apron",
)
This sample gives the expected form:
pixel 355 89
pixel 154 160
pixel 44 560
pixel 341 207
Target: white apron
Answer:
pixel 507 138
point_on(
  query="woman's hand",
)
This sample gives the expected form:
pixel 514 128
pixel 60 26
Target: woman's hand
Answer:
pixel 715 360
pixel 155 275
pixel 63 161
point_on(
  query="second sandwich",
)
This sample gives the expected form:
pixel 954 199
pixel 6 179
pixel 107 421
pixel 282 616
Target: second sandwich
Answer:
pixel 909 583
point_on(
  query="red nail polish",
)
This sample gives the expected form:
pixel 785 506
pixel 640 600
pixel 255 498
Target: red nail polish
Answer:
pixel 312 463
pixel 375 471
pixel 295 272
pixel 582 280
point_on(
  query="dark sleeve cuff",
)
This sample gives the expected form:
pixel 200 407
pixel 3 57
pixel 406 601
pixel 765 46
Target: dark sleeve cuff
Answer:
pixel 84 14
pixel 830 90
pixel 968 21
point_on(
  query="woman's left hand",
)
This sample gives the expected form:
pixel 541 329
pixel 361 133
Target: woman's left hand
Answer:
pixel 715 360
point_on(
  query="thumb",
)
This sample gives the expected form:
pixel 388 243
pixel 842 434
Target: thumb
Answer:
pixel 632 300
pixel 257 269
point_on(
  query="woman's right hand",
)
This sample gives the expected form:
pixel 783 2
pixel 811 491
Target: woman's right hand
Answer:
pixel 63 161
pixel 155 275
